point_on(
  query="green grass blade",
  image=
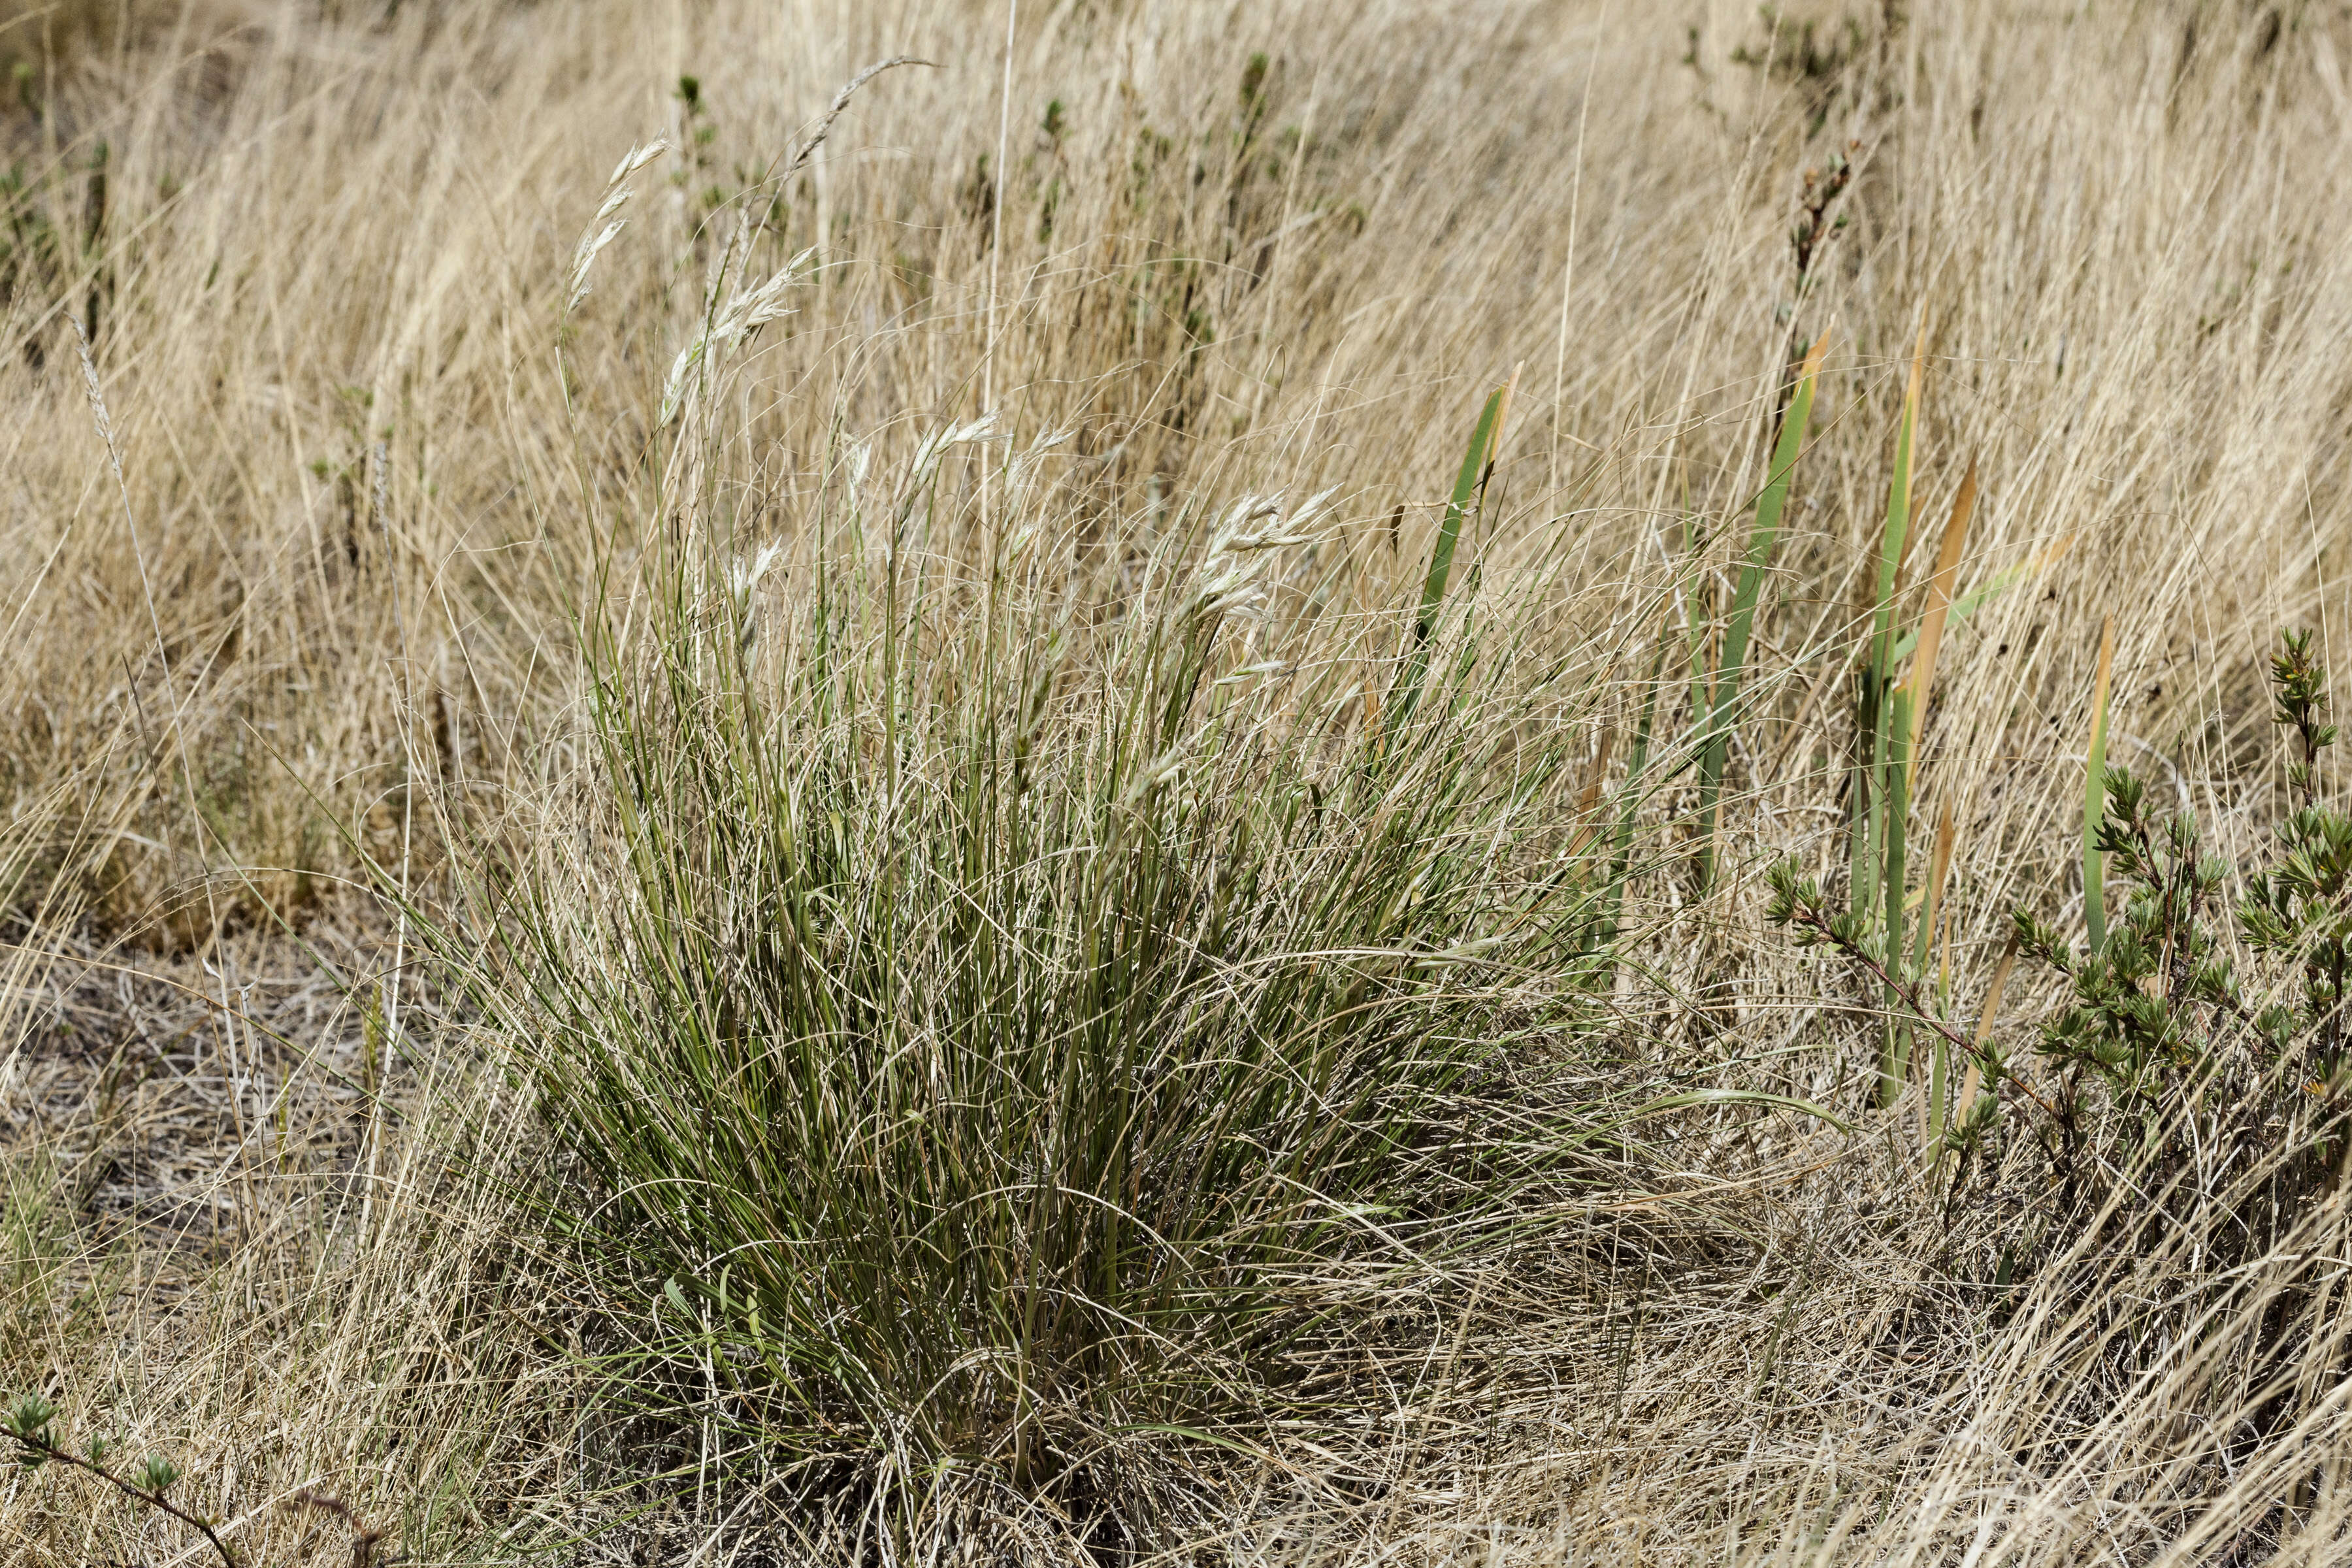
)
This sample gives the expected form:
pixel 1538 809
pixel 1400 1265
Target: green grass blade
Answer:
pixel 1896 1061
pixel 1725 691
pixel 1466 487
pixel 1614 903
pixel 1449 532
pixel 1871 717
pixel 2094 794
pixel 1897 531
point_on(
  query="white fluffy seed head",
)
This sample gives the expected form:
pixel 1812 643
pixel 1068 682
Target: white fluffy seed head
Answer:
pixel 1232 573
pixel 935 445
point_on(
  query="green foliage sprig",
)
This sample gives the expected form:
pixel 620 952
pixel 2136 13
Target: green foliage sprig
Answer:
pixel 2297 907
pixel 2132 1016
pixel 30 1422
pixel 2157 1012
pixel 1798 908
pixel 2299 692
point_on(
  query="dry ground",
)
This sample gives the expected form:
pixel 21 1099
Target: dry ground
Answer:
pixel 311 612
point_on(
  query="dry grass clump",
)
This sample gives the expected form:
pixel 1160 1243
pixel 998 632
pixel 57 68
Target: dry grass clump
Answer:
pixel 233 1243
pixel 1822 1380
pixel 394 497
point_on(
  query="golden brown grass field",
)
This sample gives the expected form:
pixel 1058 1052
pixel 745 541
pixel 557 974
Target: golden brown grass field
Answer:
pixel 1332 781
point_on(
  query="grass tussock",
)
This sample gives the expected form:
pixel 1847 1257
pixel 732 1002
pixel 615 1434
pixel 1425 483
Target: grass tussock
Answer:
pixel 1007 1004
pixel 1289 785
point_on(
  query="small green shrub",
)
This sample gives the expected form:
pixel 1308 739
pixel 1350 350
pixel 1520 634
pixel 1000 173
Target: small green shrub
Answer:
pixel 2199 1032
pixel 2158 1016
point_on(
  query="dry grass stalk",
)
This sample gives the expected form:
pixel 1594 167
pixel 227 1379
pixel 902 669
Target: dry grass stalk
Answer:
pixel 338 236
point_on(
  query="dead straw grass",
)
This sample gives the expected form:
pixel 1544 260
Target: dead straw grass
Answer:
pixel 2132 242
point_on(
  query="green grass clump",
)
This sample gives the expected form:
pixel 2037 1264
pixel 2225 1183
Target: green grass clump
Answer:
pixel 1006 992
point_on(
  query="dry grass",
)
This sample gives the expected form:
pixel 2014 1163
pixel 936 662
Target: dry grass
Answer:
pixel 371 474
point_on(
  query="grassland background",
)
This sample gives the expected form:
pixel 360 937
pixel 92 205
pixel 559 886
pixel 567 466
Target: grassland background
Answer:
pixel 322 254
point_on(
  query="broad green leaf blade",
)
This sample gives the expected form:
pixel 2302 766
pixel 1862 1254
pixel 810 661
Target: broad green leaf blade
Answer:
pixel 1769 508
pixel 1407 692
pixel 1449 532
pixel 1869 786
pixel 1894 1064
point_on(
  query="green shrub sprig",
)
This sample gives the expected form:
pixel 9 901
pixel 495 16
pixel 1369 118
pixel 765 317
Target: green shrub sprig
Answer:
pixel 2159 1014
pixel 30 1422
pixel 2157 1017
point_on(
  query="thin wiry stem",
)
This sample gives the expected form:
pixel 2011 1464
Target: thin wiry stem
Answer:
pixel 38 1444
